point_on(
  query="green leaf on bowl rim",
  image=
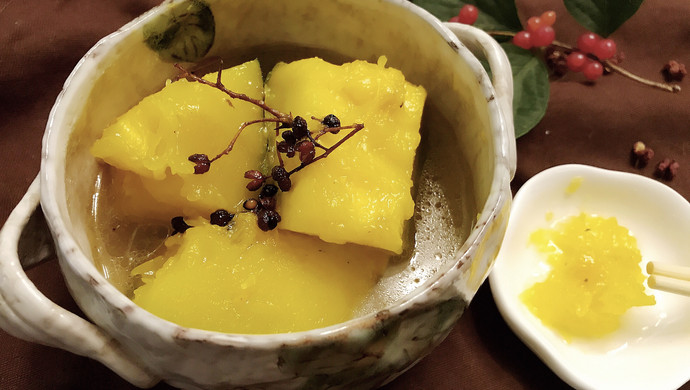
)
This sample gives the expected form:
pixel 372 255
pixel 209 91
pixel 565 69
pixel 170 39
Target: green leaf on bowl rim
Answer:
pixel 184 33
pixel 602 16
pixel 531 88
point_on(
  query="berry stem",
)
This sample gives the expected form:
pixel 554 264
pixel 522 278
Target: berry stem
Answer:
pixel 267 217
pixel 355 128
pixel 314 141
pixel 663 86
pixel 231 145
pixel 607 63
pixel 218 85
pixel 280 158
pixel 333 130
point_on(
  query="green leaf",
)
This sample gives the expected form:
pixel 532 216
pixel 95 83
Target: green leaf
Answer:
pixel 493 14
pixel 496 15
pixel 530 76
pixel 602 16
pixel 531 88
pixel 185 32
pixel 442 9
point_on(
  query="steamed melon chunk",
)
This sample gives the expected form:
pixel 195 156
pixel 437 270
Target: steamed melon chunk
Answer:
pixel 239 279
pixel 151 143
pixel 360 193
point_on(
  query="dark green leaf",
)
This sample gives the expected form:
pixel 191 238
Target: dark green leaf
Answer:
pixel 185 32
pixel 496 15
pixel 531 88
pixel 602 16
pixel 493 14
pixel 442 9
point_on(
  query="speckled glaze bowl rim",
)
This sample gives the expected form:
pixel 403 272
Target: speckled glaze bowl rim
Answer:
pixel 53 158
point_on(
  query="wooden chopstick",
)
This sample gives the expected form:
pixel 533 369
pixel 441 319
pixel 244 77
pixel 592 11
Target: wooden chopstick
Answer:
pixel 669 277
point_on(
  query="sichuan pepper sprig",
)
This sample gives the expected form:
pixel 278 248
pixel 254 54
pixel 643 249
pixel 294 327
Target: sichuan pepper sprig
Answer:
pixel 297 139
pixel 202 163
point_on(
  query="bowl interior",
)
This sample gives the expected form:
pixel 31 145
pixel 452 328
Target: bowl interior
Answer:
pixel 458 149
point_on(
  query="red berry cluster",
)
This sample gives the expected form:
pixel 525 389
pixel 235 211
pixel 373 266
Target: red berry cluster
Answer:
pixel 590 44
pixel 468 15
pixel 539 31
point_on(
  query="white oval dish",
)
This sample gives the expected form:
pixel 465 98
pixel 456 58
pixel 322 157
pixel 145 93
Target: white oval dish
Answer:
pixel 652 347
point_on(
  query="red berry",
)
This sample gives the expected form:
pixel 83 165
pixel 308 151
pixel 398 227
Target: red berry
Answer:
pixel 548 18
pixel 605 49
pixel 543 36
pixel 523 39
pixel 534 23
pixel 306 151
pixel 255 184
pixel 253 174
pixel 468 14
pixel 587 42
pixel 201 163
pixel 593 70
pixel 576 61
pixel 455 19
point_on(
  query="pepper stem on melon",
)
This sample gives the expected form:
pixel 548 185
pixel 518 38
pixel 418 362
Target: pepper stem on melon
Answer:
pixel 299 135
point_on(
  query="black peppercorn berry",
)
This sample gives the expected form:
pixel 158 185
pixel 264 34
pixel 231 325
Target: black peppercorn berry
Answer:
pixel 221 217
pixel 282 177
pixel 289 137
pixel 179 225
pixel 299 127
pixel 267 219
pixel 331 121
pixel 268 191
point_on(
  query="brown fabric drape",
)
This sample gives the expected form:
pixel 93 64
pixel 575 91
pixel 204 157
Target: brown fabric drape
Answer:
pixel 42 40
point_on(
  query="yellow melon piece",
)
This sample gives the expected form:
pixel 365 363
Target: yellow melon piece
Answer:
pixel 360 193
pixel 239 279
pixel 151 143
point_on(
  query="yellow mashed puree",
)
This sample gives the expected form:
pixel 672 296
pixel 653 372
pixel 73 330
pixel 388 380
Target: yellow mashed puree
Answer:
pixel 595 277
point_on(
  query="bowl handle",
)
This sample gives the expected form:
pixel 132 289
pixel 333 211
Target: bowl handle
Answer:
pixel 27 314
pixel 484 46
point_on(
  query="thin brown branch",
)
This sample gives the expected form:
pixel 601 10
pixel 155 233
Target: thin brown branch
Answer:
pixel 333 130
pixel 663 86
pixel 355 128
pixel 607 63
pixel 235 95
pixel 231 145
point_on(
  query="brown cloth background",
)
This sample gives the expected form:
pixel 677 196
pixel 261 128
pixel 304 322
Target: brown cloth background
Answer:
pixel 42 40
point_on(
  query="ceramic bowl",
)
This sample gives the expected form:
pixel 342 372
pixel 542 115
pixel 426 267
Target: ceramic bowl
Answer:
pixel 135 61
pixel 651 348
